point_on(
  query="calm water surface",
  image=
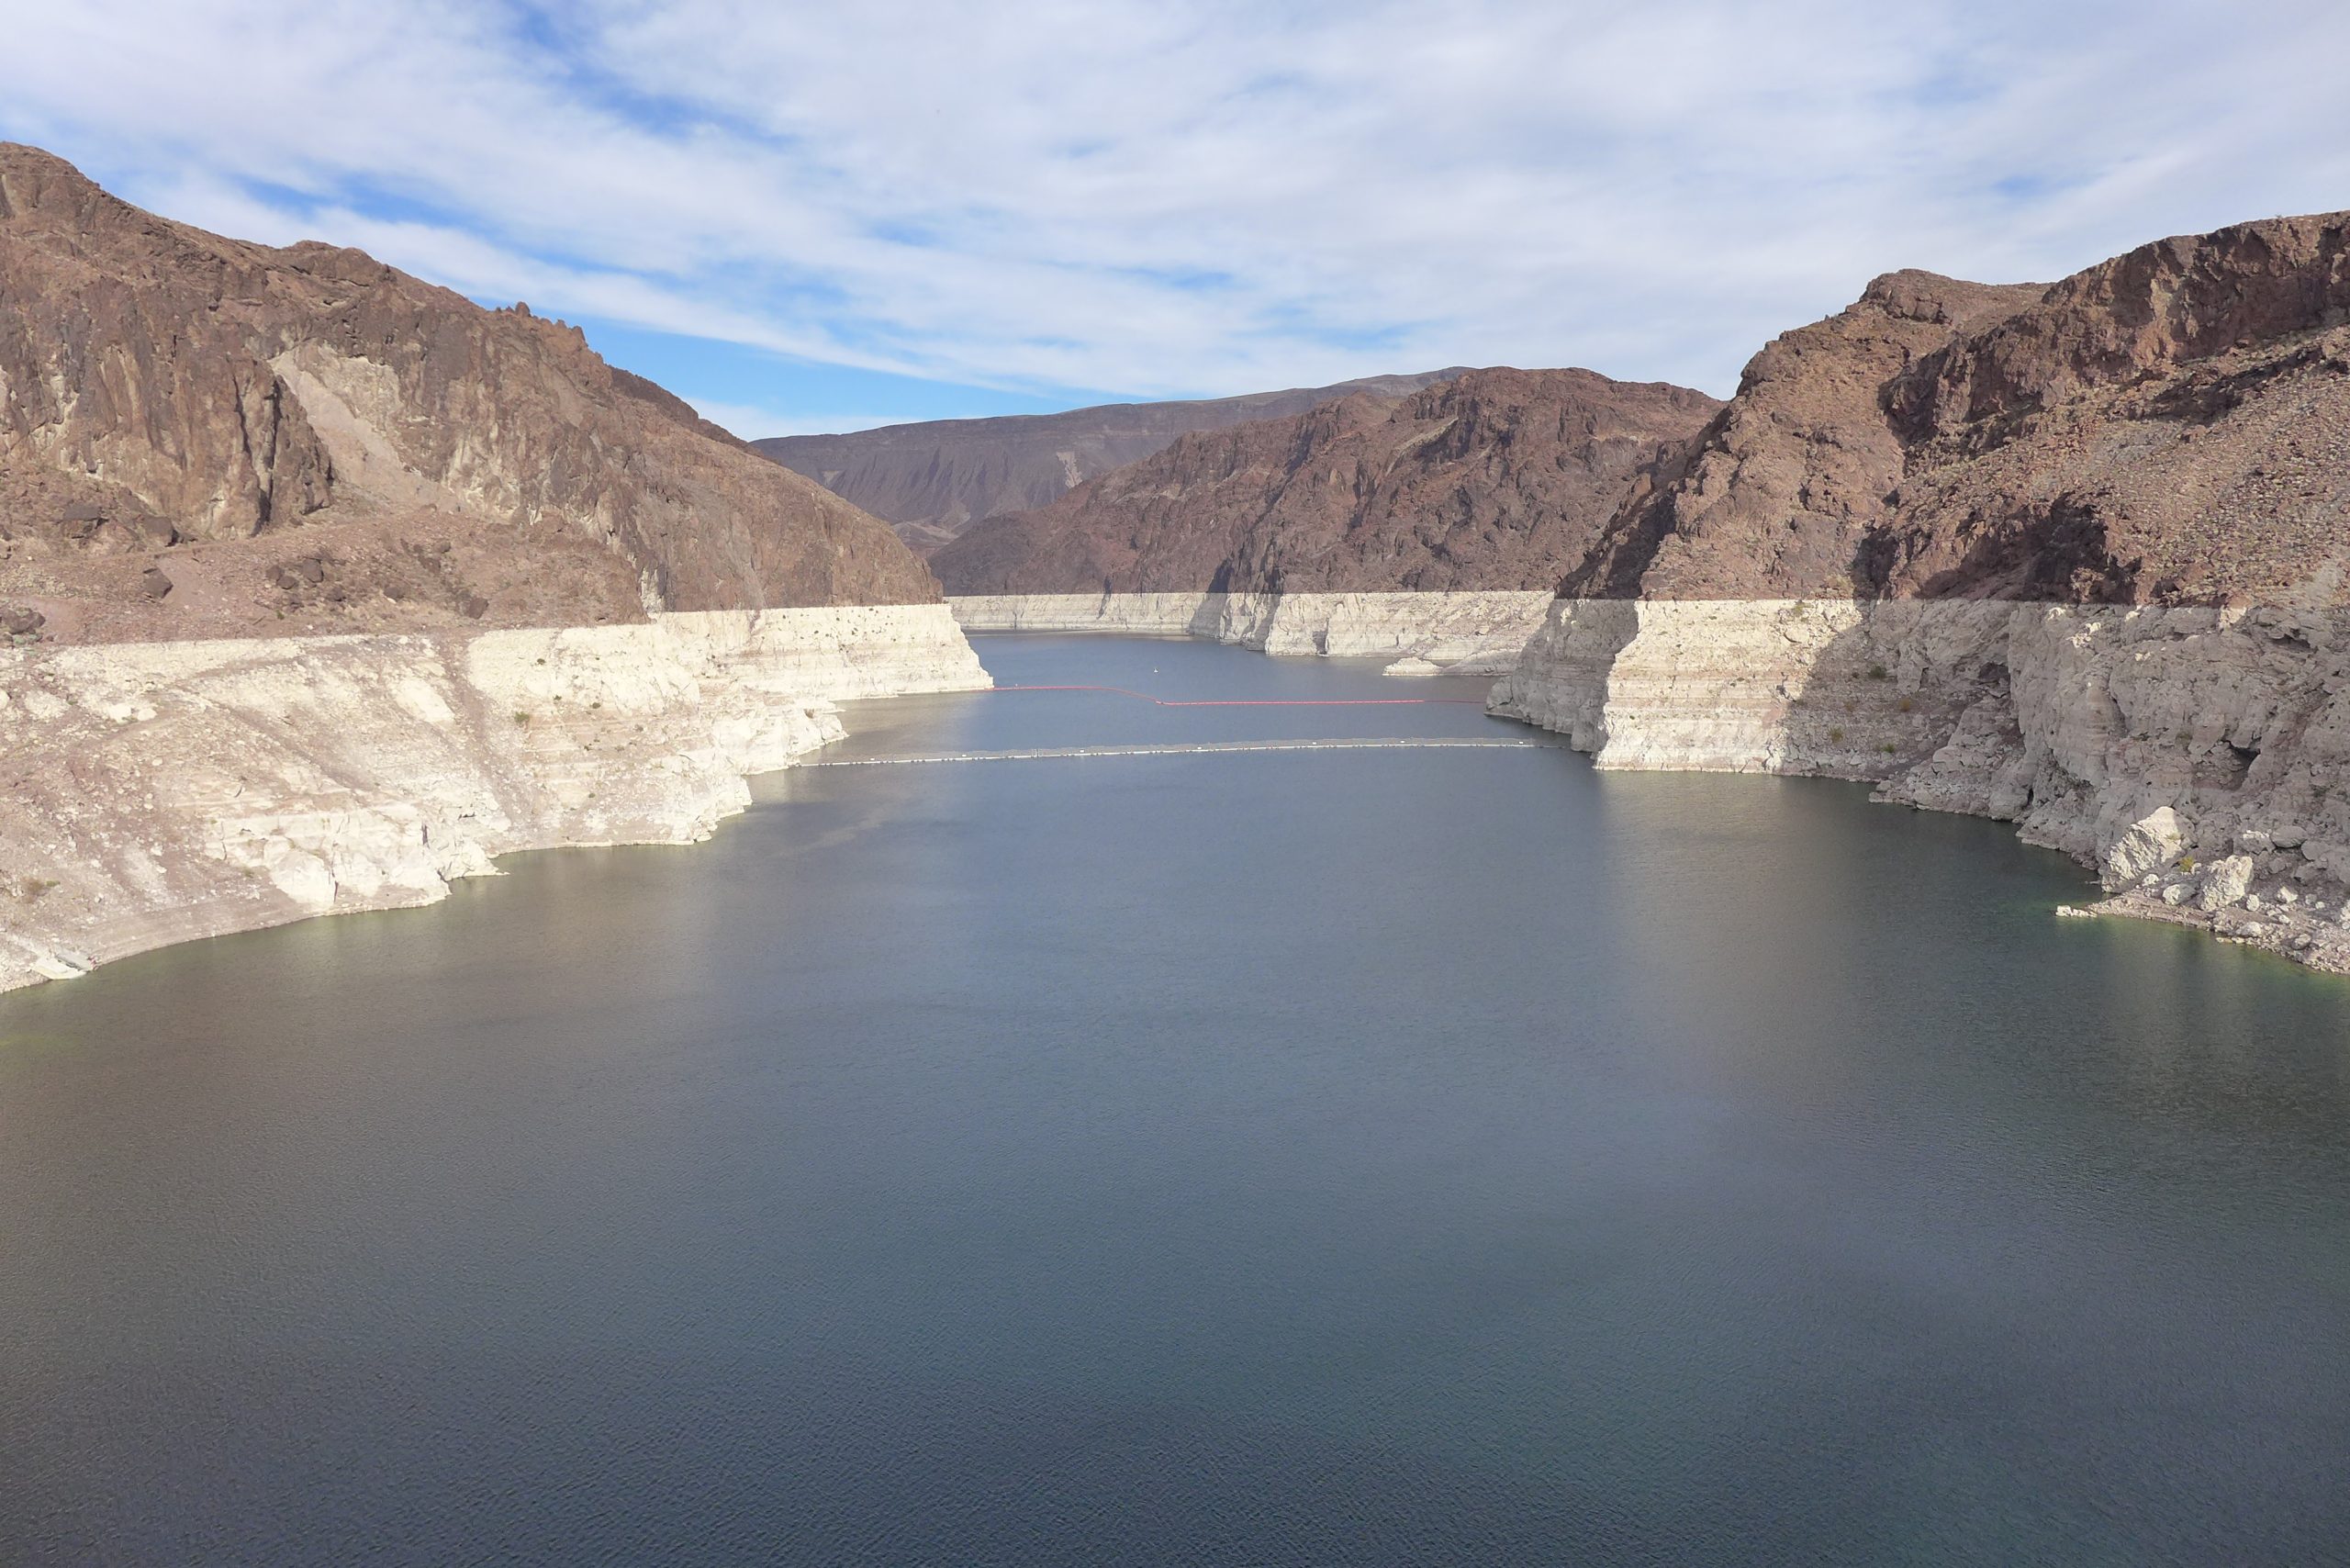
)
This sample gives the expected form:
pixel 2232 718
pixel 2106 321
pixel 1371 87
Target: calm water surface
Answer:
pixel 1346 1157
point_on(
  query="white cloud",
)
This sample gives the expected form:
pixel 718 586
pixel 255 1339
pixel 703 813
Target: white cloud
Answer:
pixel 1208 197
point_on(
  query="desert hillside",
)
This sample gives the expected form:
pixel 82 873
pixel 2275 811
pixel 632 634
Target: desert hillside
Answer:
pixel 204 437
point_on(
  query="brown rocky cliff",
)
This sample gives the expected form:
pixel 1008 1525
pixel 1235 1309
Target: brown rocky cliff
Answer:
pixel 2139 315
pixel 2172 426
pixel 1775 497
pixel 168 387
pixel 1496 479
pixel 124 353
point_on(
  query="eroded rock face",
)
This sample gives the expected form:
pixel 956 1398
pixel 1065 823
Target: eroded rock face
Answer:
pixel 158 791
pixel 1777 496
pixel 2200 758
pixel 166 387
pixel 2170 427
pixel 1497 480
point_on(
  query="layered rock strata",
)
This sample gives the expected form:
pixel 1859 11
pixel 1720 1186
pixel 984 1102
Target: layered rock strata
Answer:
pixel 159 791
pixel 1418 633
pixel 2198 758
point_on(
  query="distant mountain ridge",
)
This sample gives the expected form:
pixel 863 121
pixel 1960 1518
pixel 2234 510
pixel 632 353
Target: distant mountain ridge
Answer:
pixel 1494 479
pixel 934 478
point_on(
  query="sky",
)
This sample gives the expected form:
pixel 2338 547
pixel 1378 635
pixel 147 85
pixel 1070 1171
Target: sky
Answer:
pixel 827 217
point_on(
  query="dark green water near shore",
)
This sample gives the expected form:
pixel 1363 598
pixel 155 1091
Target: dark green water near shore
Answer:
pixel 1271 1157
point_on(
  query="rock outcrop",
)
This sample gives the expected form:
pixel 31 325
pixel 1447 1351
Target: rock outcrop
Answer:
pixel 2069 556
pixel 1497 479
pixel 934 479
pixel 160 791
pixel 171 393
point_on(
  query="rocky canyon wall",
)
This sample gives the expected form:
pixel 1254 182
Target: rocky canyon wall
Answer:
pixel 158 791
pixel 279 530
pixel 2073 557
pixel 2197 757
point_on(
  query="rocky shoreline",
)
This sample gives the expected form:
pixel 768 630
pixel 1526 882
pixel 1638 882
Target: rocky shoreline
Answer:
pixel 1469 633
pixel 162 791
pixel 2195 757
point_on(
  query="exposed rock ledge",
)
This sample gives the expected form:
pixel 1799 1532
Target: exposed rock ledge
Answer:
pixel 160 792
pixel 2199 759
pixel 1468 632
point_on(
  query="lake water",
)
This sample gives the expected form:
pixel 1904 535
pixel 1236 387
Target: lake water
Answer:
pixel 1377 1156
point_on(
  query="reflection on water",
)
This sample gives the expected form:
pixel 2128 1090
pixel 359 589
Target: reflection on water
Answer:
pixel 1295 1158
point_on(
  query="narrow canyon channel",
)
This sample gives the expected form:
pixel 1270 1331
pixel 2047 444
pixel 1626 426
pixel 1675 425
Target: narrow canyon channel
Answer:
pixel 1287 1155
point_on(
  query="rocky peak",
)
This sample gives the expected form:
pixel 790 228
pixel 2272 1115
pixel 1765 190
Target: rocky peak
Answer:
pixel 1913 295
